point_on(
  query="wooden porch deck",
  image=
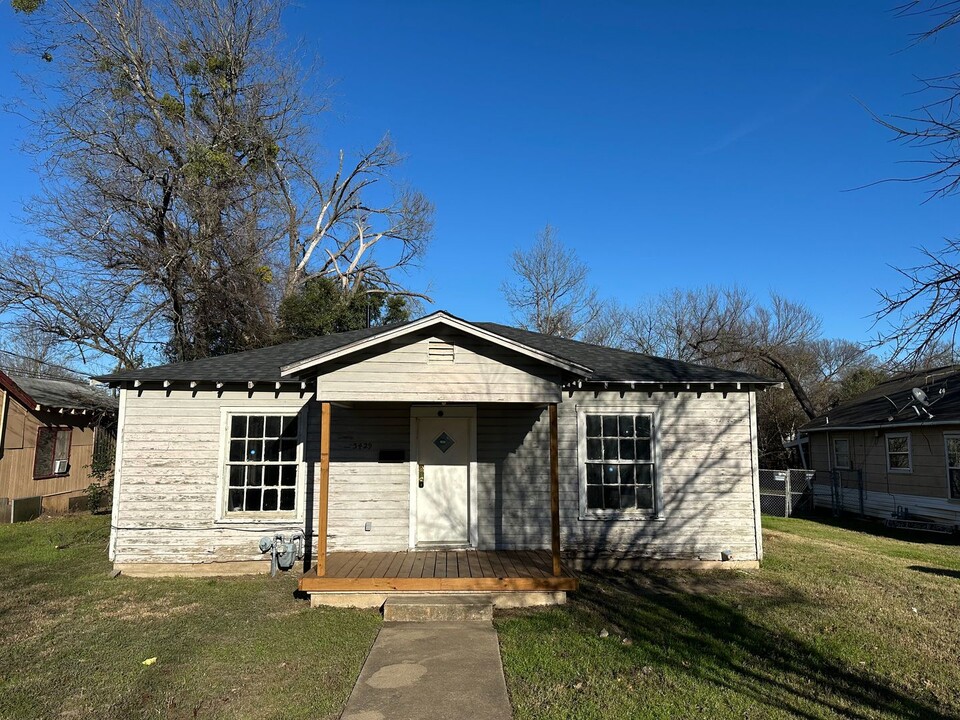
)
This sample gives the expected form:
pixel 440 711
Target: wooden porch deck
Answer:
pixel 444 570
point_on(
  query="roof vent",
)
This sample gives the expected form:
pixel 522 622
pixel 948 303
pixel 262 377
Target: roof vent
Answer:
pixel 439 351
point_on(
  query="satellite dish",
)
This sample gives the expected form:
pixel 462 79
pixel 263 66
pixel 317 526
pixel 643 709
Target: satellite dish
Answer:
pixel 920 397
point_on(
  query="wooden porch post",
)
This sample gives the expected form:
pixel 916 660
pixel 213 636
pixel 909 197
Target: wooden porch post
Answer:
pixel 554 491
pixel 324 488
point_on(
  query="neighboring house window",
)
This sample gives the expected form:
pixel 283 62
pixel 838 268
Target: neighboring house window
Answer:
pixel 262 463
pixel 841 453
pixel 617 468
pixel 52 457
pixel 898 452
pixel 952 443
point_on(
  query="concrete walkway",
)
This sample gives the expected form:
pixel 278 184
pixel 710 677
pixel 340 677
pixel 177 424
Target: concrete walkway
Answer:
pixel 435 670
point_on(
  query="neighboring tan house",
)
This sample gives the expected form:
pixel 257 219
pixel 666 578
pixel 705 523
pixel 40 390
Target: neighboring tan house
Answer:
pixel 486 449
pixel 894 450
pixel 48 429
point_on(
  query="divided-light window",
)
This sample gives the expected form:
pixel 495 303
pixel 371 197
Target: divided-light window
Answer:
pixel 898 453
pixel 262 463
pixel 619 472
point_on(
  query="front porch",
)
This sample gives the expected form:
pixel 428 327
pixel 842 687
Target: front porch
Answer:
pixel 440 571
pixel 506 574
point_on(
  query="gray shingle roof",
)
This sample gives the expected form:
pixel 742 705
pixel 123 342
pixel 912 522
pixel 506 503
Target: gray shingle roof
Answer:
pixel 610 365
pixel 889 404
pixel 65 394
pixel 261 365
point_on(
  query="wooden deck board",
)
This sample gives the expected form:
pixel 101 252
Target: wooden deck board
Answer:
pixel 406 567
pixel 418 564
pixel 440 570
pixel 393 569
pixel 496 565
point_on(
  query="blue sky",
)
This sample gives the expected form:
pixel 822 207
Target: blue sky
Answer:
pixel 672 145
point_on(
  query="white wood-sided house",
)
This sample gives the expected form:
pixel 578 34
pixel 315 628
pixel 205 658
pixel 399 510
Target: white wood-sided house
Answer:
pixel 437 454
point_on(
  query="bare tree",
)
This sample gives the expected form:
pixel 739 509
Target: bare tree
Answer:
pixel 551 292
pixel 31 353
pixel 725 326
pixel 610 327
pixel 181 192
pixel 364 228
pixel 924 313
pixel 781 339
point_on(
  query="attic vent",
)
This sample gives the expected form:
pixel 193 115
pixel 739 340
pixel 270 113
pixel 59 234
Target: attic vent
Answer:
pixel 440 352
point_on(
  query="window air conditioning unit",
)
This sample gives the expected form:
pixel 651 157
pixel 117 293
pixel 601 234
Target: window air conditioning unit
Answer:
pixel 59 467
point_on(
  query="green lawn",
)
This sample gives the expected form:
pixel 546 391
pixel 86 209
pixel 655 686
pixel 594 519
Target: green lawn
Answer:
pixel 73 639
pixel 838 624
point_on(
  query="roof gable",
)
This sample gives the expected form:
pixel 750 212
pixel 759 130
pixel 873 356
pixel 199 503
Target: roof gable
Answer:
pixel 436 319
pixel 585 363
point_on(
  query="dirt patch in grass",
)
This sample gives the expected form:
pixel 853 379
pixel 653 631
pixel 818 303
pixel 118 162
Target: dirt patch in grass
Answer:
pixel 126 606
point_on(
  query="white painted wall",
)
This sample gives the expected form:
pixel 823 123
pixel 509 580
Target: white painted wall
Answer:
pixel 170 468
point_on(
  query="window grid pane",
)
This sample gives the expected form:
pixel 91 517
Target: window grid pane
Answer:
pixel 262 463
pixel 898 452
pixel 619 462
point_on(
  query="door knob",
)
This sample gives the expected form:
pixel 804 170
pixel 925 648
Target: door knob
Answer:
pixel 420 473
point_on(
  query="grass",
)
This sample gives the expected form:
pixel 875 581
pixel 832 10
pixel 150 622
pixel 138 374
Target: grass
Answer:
pixel 839 623
pixel 74 640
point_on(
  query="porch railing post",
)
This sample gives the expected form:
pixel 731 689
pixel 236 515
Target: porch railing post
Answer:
pixel 324 488
pixel 554 491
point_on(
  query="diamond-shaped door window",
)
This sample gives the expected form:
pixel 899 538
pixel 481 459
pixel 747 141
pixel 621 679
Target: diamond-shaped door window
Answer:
pixel 444 442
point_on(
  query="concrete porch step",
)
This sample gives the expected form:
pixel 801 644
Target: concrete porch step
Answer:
pixel 438 608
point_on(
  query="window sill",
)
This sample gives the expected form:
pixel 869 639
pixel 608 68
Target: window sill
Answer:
pixel 628 517
pixel 51 477
pixel 259 520
pixel 899 472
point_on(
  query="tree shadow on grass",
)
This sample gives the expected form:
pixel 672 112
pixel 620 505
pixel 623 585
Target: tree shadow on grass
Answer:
pixel 936 571
pixel 875 527
pixel 692 631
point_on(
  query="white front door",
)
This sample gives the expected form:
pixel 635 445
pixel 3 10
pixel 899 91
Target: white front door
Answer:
pixel 443 480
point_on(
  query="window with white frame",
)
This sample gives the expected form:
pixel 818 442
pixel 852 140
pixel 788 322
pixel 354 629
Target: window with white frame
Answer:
pixel 841 453
pixel 617 463
pixel 898 452
pixel 952 448
pixel 262 463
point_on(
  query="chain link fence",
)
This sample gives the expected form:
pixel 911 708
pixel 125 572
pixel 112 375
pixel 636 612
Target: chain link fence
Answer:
pixel 785 493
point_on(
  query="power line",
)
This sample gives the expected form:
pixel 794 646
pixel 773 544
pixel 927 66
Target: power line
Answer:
pixel 42 362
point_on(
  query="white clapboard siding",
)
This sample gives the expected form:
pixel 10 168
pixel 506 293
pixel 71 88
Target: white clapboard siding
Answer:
pixel 406 370
pixel 707 471
pixel 170 468
pixel 362 489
